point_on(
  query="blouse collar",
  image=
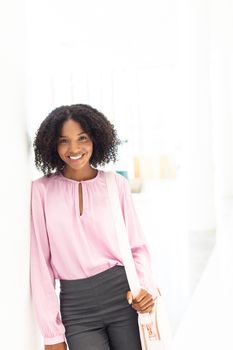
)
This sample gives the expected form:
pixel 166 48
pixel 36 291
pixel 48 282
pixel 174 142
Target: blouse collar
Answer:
pixel 82 181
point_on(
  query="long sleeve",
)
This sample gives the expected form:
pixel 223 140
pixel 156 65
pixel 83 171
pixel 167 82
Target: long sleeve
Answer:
pixel 42 281
pixel 138 243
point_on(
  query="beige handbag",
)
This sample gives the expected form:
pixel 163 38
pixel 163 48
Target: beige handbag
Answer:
pixel 154 327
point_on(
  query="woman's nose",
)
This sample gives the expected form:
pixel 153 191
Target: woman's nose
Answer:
pixel 74 146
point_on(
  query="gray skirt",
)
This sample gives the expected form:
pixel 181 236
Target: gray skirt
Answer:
pixel 96 314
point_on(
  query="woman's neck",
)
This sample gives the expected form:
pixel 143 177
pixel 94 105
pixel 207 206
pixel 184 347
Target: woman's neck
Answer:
pixel 80 175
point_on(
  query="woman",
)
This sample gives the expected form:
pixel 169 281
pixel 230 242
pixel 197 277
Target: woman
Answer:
pixel 73 238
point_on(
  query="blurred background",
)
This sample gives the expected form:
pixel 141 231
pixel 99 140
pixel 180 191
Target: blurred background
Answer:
pixel 162 72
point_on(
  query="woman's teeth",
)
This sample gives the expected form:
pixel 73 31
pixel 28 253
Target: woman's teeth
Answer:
pixel 78 157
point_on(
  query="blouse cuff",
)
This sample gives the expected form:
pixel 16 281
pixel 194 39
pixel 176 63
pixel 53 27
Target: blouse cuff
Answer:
pixel 54 340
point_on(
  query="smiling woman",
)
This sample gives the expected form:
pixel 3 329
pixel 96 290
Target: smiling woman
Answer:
pixel 73 238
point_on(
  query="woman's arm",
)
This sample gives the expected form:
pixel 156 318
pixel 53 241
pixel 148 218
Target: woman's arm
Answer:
pixel 137 240
pixel 42 281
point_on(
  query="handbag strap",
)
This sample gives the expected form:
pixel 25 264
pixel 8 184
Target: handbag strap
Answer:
pixel 122 234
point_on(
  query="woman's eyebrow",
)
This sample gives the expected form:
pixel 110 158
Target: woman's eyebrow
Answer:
pixel 83 132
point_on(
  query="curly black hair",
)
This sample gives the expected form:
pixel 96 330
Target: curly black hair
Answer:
pixel 94 123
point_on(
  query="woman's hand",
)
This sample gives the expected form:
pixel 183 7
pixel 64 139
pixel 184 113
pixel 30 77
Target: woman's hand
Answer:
pixel 143 302
pixel 59 346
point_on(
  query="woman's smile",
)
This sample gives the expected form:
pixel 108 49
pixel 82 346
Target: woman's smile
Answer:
pixel 76 159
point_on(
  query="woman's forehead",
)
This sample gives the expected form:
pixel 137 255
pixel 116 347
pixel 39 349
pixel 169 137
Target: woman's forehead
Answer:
pixel 71 127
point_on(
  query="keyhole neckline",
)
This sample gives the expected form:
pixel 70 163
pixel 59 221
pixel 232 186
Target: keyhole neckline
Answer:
pixel 82 181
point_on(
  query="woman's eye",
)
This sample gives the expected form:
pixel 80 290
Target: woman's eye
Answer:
pixel 83 138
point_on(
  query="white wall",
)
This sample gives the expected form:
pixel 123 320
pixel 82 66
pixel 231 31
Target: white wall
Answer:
pixel 16 320
pixel 207 323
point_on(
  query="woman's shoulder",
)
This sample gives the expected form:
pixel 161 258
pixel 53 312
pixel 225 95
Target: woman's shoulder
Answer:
pixel 121 180
pixel 118 176
pixel 42 181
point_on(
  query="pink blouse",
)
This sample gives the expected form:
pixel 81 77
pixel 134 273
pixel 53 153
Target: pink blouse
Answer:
pixel 65 245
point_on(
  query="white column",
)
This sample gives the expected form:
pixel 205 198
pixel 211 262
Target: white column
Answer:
pixel 16 320
pixel 222 93
pixel 207 323
pixel 196 171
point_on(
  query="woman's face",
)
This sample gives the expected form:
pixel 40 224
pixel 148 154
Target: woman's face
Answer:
pixel 74 142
